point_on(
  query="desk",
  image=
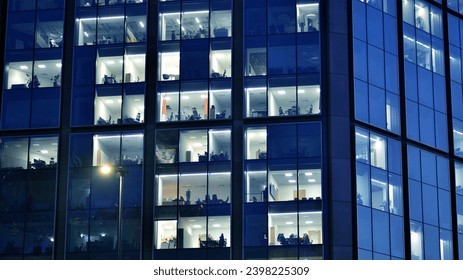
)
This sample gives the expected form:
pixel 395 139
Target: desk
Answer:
pixel 259 114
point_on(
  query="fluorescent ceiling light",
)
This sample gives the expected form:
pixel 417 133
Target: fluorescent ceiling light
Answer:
pixel 111 62
pixel 44 151
pixel 308 174
pixel 23 67
pixel 292 181
pixel 288 174
pixel 281 92
pixel 142 25
pixel 41 66
pixel 312 180
pixel 59 65
pixel 85 33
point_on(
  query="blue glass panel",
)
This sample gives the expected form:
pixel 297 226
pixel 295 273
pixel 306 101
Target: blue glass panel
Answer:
pixel 377 107
pixel 281 55
pixel 308 53
pixel 194 59
pixel 255 225
pixel 397 236
pixel 364 229
pixel 282 141
pixel 84 66
pixel 364 255
pixel 255 19
pixel 359 20
pixel 390 36
pixel 361 100
pixel 20 30
pixel 411 91
pixel 45 107
pixel 441 131
pixel 360 60
pixel 16 109
pixel 381 240
pixel 430 208
pixel 376 66
pixel 309 140
pixel 443 175
pixel 281 16
pixel 81 150
pixel 416 209
pixel 428 168
pixel 425 87
pixel 427 133
pixel 431 243
pixel 375 27
pixel 392 79
pixel 82 106
pixel 445 215
pixel 440 96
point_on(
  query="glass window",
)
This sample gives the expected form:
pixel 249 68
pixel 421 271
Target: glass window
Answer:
pixel 135 24
pixel 220 59
pixel 281 16
pixel 20 30
pixel 281 55
pixel 221 18
pixel 194 58
pixel 308 18
pixel 255 56
pixel 49 29
pixel 169 62
pixel 255 17
pixel 195 20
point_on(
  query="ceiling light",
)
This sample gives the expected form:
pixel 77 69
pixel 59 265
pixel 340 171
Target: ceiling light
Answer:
pixel 85 33
pixel 312 180
pixel 300 91
pixel 197 20
pixel 121 61
pixel 142 25
pixel 41 66
pixel 197 145
pixel 281 92
pixel 292 181
pixel 178 21
pixel 197 226
pixel 289 223
pixel 110 101
pixel 216 225
pixel 59 65
pixel 309 222
pixel 23 67
pixel 203 96
pixel 35 145
pixel 137 100
pixel 308 174
pixel 185 97
pixel 44 151
pixel 111 62
pixel 288 174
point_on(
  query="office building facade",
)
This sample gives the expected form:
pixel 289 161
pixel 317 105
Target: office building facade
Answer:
pixel 225 129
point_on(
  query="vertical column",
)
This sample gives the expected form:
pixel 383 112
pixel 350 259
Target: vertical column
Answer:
pixel 63 152
pixel 2 40
pixel 336 46
pixel 448 87
pixel 237 133
pixel 150 128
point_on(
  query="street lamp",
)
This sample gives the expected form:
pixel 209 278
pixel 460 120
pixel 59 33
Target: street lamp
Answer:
pixel 120 172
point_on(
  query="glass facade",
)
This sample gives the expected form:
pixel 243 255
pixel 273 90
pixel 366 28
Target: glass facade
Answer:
pixel 28 168
pixel 31 91
pixel 403 179
pixel 221 129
